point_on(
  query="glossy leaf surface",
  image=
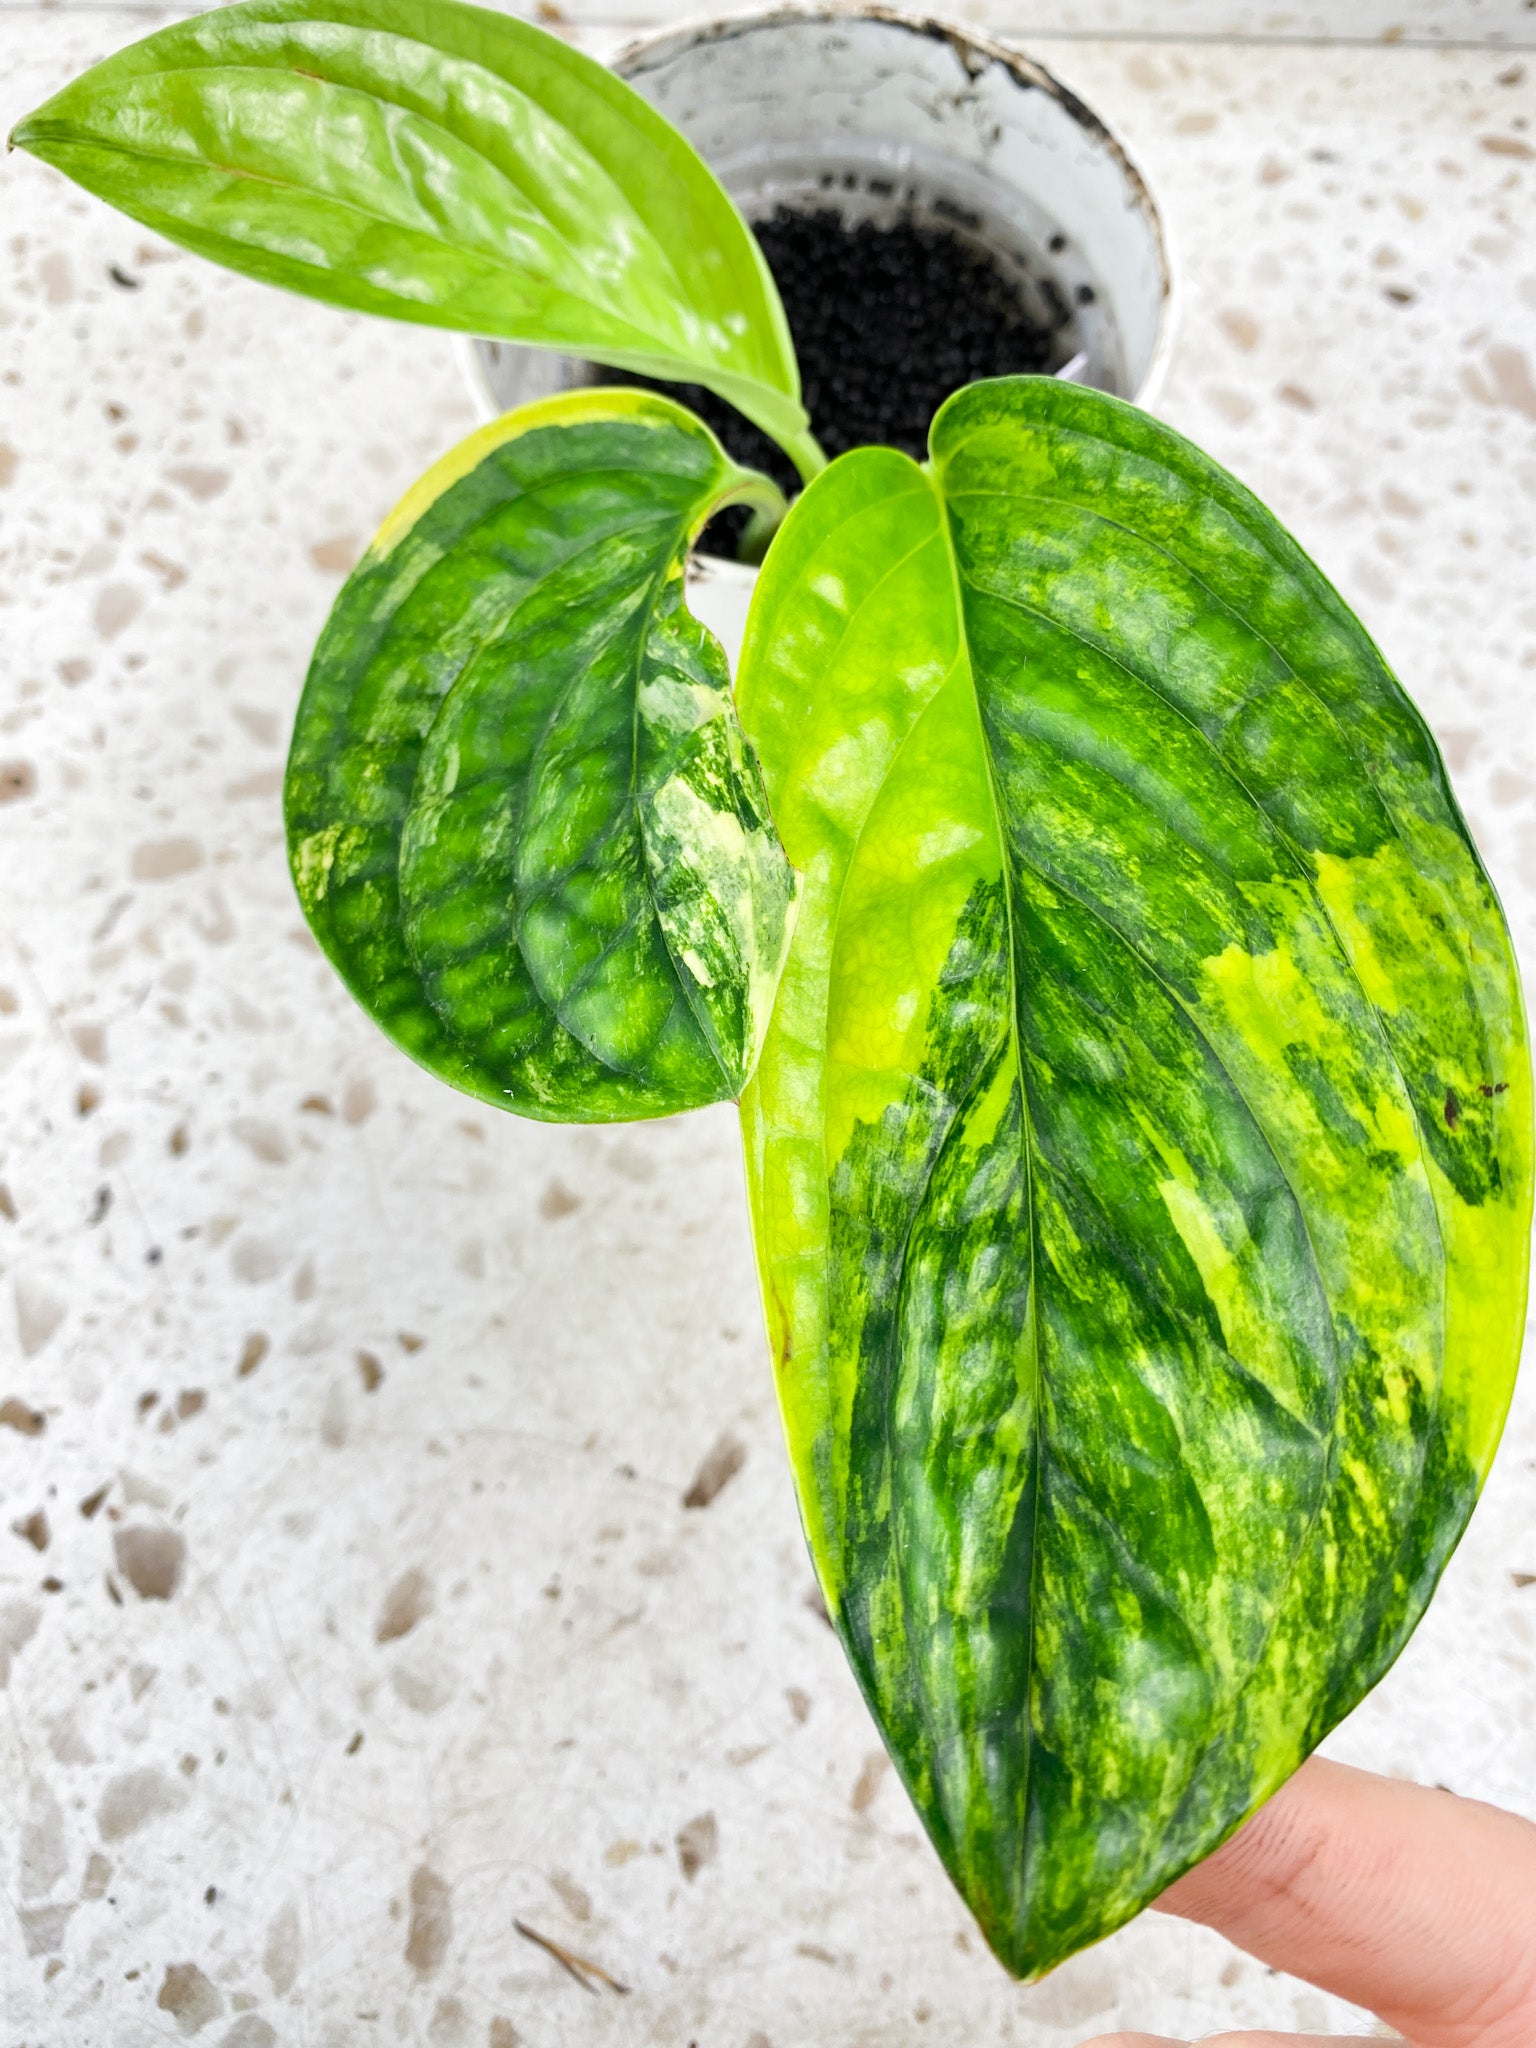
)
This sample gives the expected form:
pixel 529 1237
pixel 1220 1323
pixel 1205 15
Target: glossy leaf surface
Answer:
pixel 438 163
pixel 521 817
pixel 1141 1149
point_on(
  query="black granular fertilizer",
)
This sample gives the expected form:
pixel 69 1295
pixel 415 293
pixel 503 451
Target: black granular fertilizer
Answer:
pixel 887 322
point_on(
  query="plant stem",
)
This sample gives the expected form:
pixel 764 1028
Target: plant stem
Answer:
pixel 806 453
pixel 769 507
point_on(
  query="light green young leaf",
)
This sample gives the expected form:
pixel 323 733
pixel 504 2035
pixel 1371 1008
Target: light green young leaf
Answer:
pixel 1141 1150
pixel 439 163
pixel 522 819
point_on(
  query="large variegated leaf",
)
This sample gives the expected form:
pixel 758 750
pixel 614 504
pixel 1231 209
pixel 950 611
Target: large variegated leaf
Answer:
pixel 438 163
pixel 1141 1149
pixel 521 816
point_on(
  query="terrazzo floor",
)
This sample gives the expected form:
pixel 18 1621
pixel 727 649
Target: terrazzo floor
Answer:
pixel 352 1609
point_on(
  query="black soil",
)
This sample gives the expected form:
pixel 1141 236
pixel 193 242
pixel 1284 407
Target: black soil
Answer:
pixel 887 322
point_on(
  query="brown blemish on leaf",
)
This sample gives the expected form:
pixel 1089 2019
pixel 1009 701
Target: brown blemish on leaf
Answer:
pixel 189 1997
pixel 1240 328
pixel 1293 395
pixel 370 1372
pixel 698 1842
pixel 503 2035
pixel 7 1205
pixel 150 1558
pixel 252 1352
pixel 33 1529
pixel 718 1468
pixel 1506 145
pixel 799 1702
pixel 1524 1578
pixel 87 1099
pixel 621 1852
pixel 408 1601
pixel 94 1500
pixel 408 1340
pixel 17 779
pixel 17 1415
pixel 557 1201
pixel 867 1784
pixel 431 1923
pixel 1452 1109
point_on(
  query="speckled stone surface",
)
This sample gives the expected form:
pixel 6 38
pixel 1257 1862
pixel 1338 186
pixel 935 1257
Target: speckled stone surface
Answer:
pixel 350 1607
pixel 1503 23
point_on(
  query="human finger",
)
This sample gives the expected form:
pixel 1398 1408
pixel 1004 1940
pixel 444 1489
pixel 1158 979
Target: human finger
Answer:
pixel 1415 1904
pixel 1223 2041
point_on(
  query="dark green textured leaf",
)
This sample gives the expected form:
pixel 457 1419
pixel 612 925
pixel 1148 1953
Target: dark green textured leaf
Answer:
pixel 1141 1148
pixel 439 163
pixel 522 819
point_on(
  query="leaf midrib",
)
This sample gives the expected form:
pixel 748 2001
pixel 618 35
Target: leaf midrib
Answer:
pixel 1027 1133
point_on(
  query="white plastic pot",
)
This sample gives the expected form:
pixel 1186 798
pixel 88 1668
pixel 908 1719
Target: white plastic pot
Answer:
pixel 905 114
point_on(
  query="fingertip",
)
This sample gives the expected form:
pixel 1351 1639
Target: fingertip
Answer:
pixel 1134 2041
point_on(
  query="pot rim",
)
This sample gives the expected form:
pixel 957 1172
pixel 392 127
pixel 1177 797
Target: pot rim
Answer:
pixel 641 52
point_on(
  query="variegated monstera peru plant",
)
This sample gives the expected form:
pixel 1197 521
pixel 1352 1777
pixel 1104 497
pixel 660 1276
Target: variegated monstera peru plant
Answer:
pixel 1132 1071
